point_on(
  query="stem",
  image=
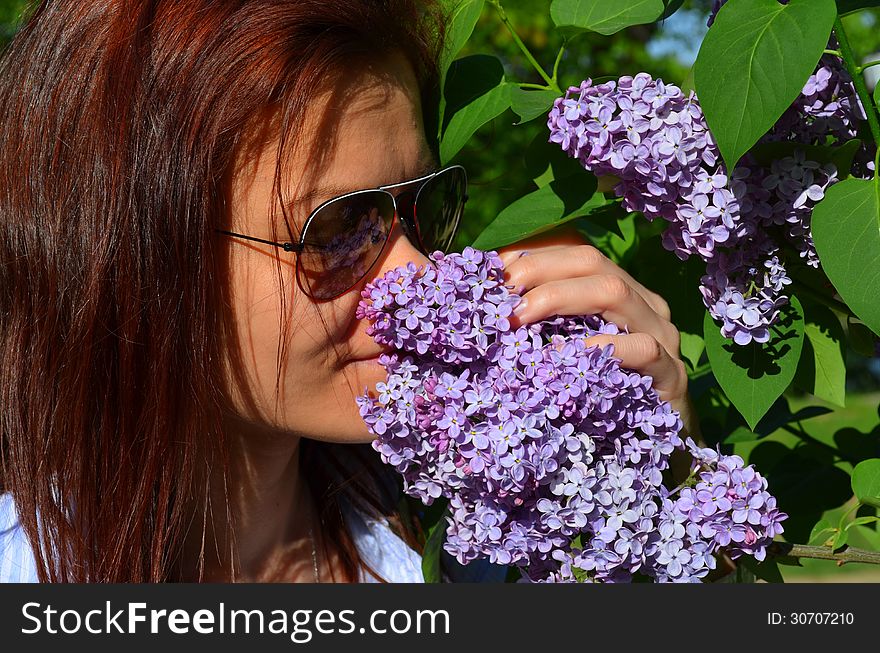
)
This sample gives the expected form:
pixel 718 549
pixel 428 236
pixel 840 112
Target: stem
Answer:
pixel 540 87
pixel 836 53
pixel 848 554
pixel 877 160
pixel 701 370
pixel 865 66
pixel 556 63
pixel 551 83
pixel 684 483
pixel 804 289
pixel 806 437
pixel 849 61
pixel 853 507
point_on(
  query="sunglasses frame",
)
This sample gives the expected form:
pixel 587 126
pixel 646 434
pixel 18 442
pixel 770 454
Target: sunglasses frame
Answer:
pixel 409 221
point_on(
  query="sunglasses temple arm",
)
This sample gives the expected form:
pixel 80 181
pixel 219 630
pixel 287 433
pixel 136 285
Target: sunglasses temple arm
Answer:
pixel 287 247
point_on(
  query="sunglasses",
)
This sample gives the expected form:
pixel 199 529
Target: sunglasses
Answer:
pixel 343 238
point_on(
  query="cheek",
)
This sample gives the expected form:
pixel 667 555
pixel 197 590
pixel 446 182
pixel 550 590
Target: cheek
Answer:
pixel 259 301
pixel 318 379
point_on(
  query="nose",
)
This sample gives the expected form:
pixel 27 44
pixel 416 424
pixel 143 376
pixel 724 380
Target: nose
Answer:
pixel 406 217
pixel 400 250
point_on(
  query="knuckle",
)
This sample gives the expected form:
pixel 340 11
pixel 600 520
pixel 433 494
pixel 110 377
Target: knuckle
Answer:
pixel 539 301
pixel 526 266
pixel 680 368
pixel 662 306
pixel 672 334
pixel 682 382
pixel 649 347
pixel 589 256
pixel 616 289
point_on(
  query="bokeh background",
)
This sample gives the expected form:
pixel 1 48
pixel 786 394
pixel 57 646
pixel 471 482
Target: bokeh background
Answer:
pixel 499 175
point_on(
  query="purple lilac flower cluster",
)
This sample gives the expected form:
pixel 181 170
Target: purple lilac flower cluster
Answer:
pixel 827 107
pixel 722 505
pixel 550 454
pixel 654 139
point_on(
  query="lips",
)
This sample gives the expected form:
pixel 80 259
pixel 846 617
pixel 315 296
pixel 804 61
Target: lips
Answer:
pixel 371 356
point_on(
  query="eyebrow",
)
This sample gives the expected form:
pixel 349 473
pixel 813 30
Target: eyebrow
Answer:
pixel 426 166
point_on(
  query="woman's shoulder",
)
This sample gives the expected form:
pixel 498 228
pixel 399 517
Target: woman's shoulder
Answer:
pixel 393 559
pixel 381 548
pixel 17 563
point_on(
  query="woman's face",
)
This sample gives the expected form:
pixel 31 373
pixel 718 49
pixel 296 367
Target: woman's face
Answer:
pixel 367 129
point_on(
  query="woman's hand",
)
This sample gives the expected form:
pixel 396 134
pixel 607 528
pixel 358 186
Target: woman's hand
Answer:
pixel 562 275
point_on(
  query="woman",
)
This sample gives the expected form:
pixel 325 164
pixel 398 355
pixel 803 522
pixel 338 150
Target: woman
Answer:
pixel 179 359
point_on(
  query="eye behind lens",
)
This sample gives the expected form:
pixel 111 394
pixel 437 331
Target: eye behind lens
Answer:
pixel 343 240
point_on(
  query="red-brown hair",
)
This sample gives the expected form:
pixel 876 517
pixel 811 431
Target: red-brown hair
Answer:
pixel 122 120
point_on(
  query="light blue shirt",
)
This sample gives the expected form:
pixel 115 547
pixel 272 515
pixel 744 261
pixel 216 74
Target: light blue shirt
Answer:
pixel 378 545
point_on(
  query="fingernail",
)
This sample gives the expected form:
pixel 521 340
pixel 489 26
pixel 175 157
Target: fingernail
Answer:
pixel 520 308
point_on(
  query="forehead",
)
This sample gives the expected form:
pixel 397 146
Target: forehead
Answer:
pixel 366 129
pixel 362 130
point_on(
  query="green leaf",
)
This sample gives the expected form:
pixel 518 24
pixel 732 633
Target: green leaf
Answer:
pixel 692 348
pixel 607 221
pixel 470 78
pixel 846 231
pixel 613 234
pixel 468 120
pixel 870 535
pixel 754 62
pixel 768 570
pixel 841 156
pixel 861 521
pixel 433 548
pixel 742 434
pixel 877 95
pixel 822 534
pixel 604 16
pixel 545 161
pixel 778 416
pixel 840 538
pixel 755 375
pixel 463 16
pixel 548 207
pixel 475 93
pixel 671 7
pixel 528 104
pixel 849 6
pixel 860 337
pixel 822 368
pixel 866 482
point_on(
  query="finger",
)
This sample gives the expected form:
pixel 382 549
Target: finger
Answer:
pixel 644 354
pixel 551 264
pixel 564 236
pixel 607 295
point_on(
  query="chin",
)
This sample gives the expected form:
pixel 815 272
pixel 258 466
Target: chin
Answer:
pixel 365 374
pixel 340 420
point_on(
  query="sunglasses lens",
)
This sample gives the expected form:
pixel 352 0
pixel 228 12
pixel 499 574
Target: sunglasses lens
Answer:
pixel 438 208
pixel 342 242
